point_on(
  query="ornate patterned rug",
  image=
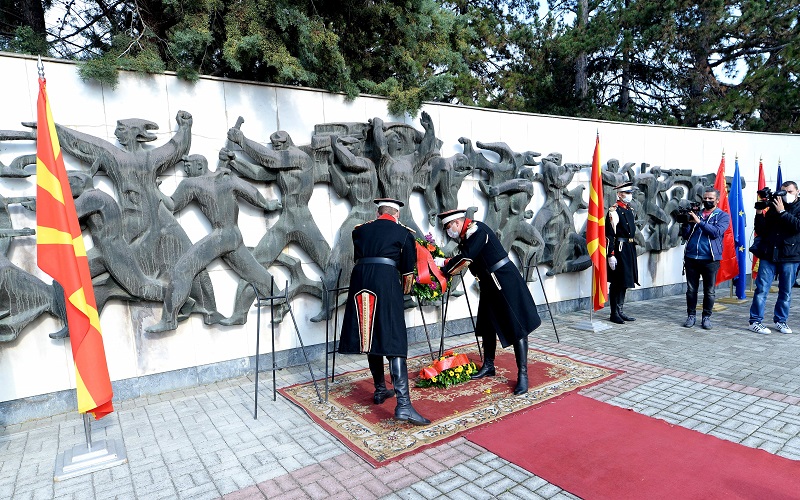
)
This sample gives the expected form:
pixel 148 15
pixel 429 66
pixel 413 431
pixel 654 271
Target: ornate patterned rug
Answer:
pixel 371 431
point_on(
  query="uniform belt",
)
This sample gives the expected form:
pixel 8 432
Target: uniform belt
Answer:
pixel 629 240
pixel 377 260
pixel 499 264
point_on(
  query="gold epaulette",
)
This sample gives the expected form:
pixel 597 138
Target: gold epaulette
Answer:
pixel 412 231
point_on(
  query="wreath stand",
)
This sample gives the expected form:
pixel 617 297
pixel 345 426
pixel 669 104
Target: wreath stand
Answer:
pixel 270 301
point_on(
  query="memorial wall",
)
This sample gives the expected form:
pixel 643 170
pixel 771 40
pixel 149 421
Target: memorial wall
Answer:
pixel 189 191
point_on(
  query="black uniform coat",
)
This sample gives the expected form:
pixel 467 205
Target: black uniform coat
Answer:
pixel 508 311
pixel 380 238
pixel 621 246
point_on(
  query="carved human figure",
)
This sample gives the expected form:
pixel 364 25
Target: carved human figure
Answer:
pixel 101 215
pixel 397 172
pixel 354 178
pixel 441 190
pixel 506 169
pixel 21 166
pixel 23 296
pixel 652 188
pixel 564 249
pixel 676 201
pixel 293 171
pixel 150 231
pixel 216 194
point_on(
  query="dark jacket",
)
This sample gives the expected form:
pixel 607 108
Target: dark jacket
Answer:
pixel 706 233
pixel 778 237
pixel 385 239
pixel 506 306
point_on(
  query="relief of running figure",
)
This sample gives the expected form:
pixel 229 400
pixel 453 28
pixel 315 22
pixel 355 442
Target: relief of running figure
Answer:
pixel 216 193
pixel 293 171
pixel 150 231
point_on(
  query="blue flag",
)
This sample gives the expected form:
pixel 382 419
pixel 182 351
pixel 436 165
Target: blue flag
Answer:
pixel 739 235
pixel 780 178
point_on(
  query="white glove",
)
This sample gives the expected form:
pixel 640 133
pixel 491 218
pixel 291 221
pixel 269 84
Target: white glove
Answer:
pixel 439 261
pixel 612 262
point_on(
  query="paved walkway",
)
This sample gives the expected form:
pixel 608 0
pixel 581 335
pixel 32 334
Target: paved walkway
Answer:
pixel 204 442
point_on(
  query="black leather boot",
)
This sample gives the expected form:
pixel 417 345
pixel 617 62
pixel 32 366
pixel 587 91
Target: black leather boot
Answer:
pixel 622 315
pixel 489 348
pixel 521 355
pixel 404 412
pixel 376 368
pixel 614 301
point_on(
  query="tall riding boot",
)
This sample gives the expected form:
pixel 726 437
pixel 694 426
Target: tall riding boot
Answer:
pixel 521 355
pixel 489 348
pixel 613 299
pixel 622 314
pixel 404 412
pixel 376 368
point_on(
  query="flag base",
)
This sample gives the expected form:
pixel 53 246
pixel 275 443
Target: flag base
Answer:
pixel 591 326
pixel 717 307
pixel 82 459
pixel 731 300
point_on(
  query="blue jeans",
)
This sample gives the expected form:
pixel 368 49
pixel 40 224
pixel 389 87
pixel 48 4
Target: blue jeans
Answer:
pixel 786 273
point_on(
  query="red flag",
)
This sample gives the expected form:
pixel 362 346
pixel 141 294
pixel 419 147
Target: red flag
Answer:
pixel 762 183
pixel 729 267
pixel 596 232
pixel 61 254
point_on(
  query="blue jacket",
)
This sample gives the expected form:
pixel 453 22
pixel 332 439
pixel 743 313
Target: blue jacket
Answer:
pixel 705 235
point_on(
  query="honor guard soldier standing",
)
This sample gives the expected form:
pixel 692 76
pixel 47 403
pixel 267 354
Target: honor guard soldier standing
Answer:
pixel 505 308
pixel 374 321
pixel 623 271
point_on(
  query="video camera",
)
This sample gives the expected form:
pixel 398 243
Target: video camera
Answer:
pixel 683 211
pixel 766 197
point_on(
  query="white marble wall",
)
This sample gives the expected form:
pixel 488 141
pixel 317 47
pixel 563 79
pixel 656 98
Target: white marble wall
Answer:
pixel 34 364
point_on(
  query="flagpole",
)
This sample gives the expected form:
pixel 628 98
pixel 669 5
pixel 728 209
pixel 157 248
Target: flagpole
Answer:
pixel 55 214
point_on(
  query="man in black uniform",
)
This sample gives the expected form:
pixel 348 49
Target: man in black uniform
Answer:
pixel 506 307
pixel 623 272
pixel 374 321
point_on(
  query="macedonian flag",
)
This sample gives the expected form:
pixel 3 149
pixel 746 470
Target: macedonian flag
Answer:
pixel 62 255
pixel 596 233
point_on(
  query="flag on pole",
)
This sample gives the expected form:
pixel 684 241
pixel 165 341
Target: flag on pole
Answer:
pixel 739 235
pixel 596 233
pixel 60 252
pixel 728 267
pixel 762 183
pixel 780 177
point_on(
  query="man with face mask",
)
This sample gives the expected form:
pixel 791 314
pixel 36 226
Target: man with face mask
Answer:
pixel 778 248
pixel 703 235
pixel 623 270
pixel 505 308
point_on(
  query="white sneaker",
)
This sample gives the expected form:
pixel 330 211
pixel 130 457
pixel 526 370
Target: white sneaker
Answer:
pixel 783 327
pixel 759 328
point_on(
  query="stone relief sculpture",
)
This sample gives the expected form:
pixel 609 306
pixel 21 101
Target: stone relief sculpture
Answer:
pixel 293 170
pixel 564 249
pixel 216 194
pixel 399 170
pixel 23 296
pixel 150 231
pixel 141 253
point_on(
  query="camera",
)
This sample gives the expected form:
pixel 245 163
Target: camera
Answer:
pixel 766 197
pixel 683 211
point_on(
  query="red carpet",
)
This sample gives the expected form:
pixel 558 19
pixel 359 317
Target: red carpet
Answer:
pixel 595 450
pixel 372 432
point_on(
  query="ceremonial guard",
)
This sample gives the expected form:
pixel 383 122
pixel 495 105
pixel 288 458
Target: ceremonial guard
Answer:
pixel 623 271
pixel 506 308
pixel 374 321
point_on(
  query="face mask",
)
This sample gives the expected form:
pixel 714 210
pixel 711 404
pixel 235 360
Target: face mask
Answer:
pixel 709 204
pixel 790 197
pixel 452 233
pixel 627 198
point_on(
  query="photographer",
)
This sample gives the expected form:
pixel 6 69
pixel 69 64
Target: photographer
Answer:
pixel 703 231
pixel 778 248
